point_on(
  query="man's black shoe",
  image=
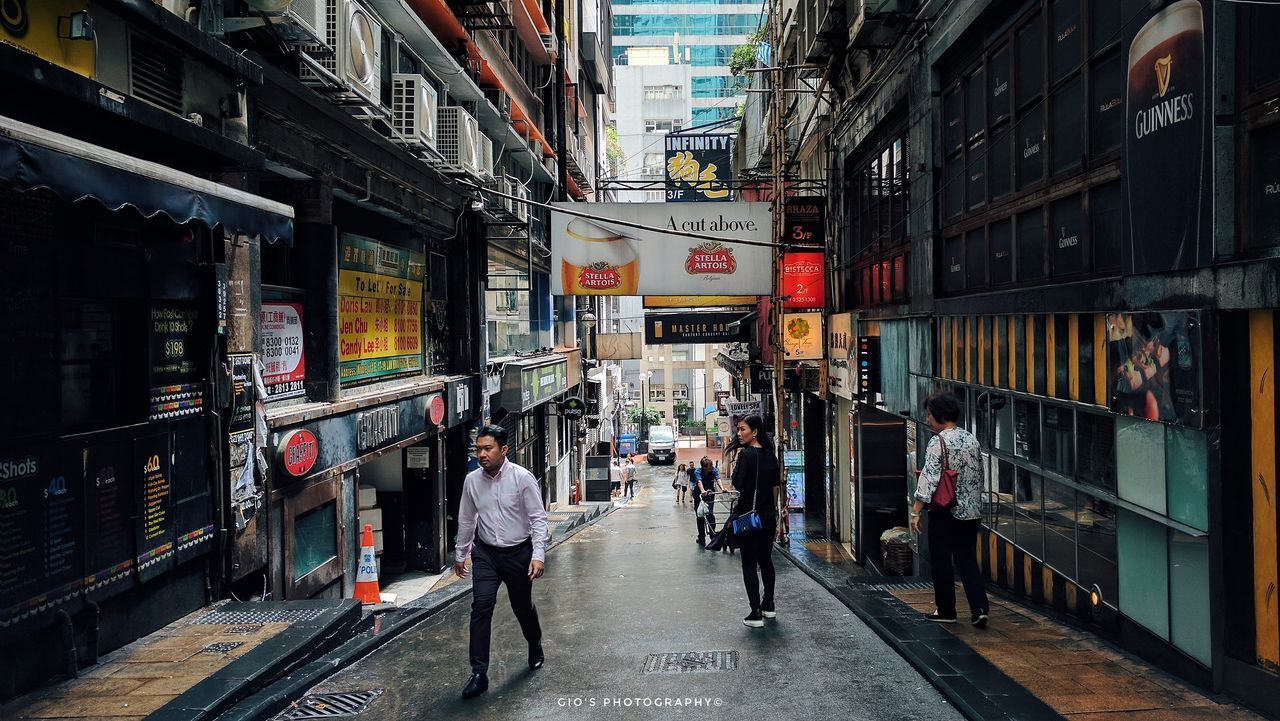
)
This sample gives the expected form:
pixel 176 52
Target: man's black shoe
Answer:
pixel 478 684
pixel 536 658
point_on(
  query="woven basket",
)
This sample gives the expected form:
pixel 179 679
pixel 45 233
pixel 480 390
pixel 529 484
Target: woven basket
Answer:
pixel 898 558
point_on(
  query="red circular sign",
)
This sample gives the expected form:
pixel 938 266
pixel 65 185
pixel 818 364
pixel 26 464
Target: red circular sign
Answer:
pixel 298 451
pixel 436 409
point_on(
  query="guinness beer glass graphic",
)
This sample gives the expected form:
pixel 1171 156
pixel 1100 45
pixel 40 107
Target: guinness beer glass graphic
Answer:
pixel 598 261
pixel 1164 153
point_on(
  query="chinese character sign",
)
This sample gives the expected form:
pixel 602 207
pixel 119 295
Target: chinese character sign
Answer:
pixel 284 366
pixel 379 309
pixel 699 167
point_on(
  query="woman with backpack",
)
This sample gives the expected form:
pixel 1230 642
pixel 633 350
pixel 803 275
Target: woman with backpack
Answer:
pixel 951 483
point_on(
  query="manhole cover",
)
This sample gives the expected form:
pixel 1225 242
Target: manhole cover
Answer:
pixel 330 705
pixel 246 628
pixel 285 615
pixel 691 661
pixel 222 647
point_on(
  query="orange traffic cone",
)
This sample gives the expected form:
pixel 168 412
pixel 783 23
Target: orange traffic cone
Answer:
pixel 367 573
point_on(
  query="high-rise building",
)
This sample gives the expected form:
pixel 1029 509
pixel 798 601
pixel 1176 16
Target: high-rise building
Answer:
pixel 671 73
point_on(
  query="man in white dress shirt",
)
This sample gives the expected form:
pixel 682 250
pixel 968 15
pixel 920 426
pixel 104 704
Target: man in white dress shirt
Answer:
pixel 502 525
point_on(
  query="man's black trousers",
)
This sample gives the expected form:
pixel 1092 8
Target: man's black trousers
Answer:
pixel 491 565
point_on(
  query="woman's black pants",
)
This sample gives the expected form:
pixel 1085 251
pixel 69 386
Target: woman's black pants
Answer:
pixel 757 553
pixel 952 540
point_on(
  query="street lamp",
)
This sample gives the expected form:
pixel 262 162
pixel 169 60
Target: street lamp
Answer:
pixel 644 399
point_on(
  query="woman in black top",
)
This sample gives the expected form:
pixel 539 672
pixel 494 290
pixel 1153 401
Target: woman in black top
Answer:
pixel 756 478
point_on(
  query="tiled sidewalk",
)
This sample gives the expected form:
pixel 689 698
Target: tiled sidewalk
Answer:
pixel 1075 673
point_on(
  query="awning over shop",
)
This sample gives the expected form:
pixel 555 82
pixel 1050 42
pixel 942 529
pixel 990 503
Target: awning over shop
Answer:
pixel 32 157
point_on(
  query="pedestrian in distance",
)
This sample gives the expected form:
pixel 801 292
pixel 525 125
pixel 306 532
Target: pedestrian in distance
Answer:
pixel 502 525
pixel 706 481
pixel 629 475
pixel 952 526
pixel 757 479
pixel 680 483
pixel 615 476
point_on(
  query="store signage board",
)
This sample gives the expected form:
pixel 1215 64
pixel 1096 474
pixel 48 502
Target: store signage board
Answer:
pixel 804 280
pixel 459 394
pixel 868 360
pixel 745 409
pixel 284 365
pixel 573 409
pixel 840 355
pixel 802 336
pixel 39 27
pixel 379 309
pixel 436 410
pixel 376 427
pixel 541 383
pixel 806 220
pixel 597 257
pixel 699 167
pixel 706 327
pixel 297 452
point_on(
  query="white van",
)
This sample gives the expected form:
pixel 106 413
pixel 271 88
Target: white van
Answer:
pixel 662 444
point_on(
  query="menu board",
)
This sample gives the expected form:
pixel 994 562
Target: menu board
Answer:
pixel 41 551
pixel 109 489
pixel 243 393
pixel 177 387
pixel 154 528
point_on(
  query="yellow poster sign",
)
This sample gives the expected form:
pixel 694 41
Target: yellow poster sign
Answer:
pixel 43 27
pixel 697 301
pixel 379 309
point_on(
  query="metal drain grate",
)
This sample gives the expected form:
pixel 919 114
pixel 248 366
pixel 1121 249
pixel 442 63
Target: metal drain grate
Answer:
pixel 222 647
pixel 286 615
pixel 691 661
pixel 246 628
pixel 330 705
pixel 914 586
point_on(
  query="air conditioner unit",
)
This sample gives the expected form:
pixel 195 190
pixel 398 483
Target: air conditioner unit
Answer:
pixel 549 44
pixel 413 109
pixel 486 156
pixel 500 99
pixel 457 138
pixel 310 17
pixel 355 35
pixel 520 209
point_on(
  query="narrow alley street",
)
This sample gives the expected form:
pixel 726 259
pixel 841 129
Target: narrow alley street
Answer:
pixel 633 585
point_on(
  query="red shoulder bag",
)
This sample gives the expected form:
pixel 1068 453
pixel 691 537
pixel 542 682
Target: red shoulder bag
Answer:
pixel 944 496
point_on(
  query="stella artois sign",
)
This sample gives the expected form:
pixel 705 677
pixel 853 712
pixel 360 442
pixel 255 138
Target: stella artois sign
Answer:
pixel 600 276
pixel 710 258
pixel 606 254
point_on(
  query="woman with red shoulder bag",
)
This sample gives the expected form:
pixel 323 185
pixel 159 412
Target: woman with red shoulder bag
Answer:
pixel 951 484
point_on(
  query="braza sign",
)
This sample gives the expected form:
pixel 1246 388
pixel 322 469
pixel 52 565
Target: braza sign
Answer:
pixel 375 427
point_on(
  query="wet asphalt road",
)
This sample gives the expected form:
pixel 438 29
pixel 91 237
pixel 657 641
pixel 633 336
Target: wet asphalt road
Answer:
pixel 636 584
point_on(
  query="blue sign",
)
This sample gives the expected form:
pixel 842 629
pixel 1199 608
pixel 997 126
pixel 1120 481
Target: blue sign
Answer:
pixel 795 489
pixel 626 443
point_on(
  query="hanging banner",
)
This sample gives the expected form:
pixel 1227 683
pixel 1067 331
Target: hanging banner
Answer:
pixel 379 309
pixel 803 276
pixel 596 257
pixel 699 168
pixel 802 336
pixel 697 301
pixel 1167 140
pixel 284 367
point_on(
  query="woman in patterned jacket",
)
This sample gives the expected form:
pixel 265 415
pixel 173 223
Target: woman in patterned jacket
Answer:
pixel 953 531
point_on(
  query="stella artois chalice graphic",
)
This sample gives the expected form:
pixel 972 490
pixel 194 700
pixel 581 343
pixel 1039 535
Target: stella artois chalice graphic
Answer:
pixel 598 261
